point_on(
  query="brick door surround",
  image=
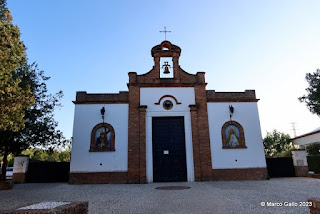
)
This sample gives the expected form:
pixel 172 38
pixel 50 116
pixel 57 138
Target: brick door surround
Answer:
pixel 137 115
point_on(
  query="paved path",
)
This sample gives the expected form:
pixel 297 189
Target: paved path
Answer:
pixel 202 197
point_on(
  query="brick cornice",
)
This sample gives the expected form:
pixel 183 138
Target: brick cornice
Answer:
pixel 83 97
pixel 165 84
pixel 246 96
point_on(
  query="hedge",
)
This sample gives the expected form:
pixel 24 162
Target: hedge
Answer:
pixel 314 163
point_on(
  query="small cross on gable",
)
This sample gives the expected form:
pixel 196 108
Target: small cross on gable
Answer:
pixel 165 31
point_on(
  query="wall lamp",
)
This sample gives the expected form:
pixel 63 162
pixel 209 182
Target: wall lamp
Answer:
pixel 231 110
pixel 102 111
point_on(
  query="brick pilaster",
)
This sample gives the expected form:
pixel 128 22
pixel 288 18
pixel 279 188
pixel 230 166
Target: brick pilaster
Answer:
pixel 203 132
pixel 133 136
pixel 195 142
pixel 142 124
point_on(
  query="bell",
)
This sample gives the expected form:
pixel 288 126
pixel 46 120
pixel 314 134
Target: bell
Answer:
pixel 166 70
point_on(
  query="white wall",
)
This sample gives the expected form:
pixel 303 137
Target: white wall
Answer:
pixel 150 96
pixel 86 117
pixel 247 115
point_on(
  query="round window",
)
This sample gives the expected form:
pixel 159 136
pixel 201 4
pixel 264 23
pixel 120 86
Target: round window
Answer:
pixel 167 105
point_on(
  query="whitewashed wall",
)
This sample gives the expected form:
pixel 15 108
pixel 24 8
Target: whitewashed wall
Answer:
pixel 86 117
pixel 150 96
pixel 247 115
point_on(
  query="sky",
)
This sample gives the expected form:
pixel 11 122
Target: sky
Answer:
pixel 268 46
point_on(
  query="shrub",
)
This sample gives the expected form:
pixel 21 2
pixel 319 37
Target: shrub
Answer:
pixel 313 149
pixel 314 163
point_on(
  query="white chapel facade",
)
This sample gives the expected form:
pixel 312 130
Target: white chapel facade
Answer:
pixel 166 130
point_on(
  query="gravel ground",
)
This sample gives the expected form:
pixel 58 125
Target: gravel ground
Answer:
pixel 202 197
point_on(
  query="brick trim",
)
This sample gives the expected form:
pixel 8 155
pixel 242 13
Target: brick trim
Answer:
pixel 83 97
pixel 142 127
pixel 165 82
pixel 98 178
pixel 134 135
pixel 159 51
pixel 240 174
pixel 164 96
pixel 203 133
pixel 195 144
pixel 93 133
pixel 242 143
pixel 246 96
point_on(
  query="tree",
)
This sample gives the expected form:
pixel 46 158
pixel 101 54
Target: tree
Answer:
pixel 277 144
pixel 13 99
pixel 40 126
pixel 313 148
pixel 54 155
pixel 312 99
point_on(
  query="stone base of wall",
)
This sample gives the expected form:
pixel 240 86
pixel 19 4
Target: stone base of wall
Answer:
pixel 240 174
pixel 6 185
pixel 139 180
pixel 315 208
pixel 301 171
pixel 98 178
pixel 314 176
pixel 72 208
pixel 121 177
pixel 19 177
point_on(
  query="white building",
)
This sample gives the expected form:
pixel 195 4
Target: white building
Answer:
pixel 166 128
pixel 308 138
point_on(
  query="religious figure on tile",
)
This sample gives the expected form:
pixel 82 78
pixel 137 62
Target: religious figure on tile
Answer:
pixel 103 139
pixel 232 136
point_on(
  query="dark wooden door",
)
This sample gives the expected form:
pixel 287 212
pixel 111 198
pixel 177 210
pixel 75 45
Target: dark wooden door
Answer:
pixel 169 151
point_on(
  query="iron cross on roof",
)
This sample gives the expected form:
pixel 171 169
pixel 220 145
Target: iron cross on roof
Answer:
pixel 165 31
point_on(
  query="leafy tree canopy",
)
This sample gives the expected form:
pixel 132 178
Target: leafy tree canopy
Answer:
pixel 13 99
pixel 26 107
pixel 312 98
pixel 49 155
pixel 277 144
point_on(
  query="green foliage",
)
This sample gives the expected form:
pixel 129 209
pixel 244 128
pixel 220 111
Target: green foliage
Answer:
pixel 284 154
pixel 10 159
pixel 10 162
pixel 26 107
pixel 277 144
pixel 14 99
pixel 40 126
pixel 49 155
pixel 312 99
pixel 314 163
pixel 313 148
